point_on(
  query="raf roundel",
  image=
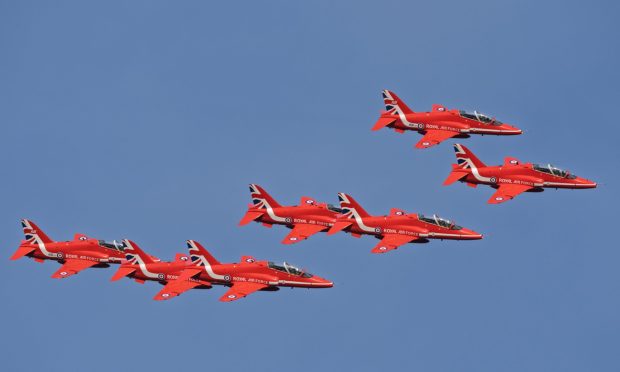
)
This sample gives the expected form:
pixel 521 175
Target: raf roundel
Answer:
pixel 164 295
pixel 227 278
pixel 288 220
pixel 383 248
pixel 161 276
pixel 232 296
pixel 378 230
pixel 249 260
pixel 63 273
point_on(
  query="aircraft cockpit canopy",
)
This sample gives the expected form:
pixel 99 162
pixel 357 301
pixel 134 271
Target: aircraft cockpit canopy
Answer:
pixel 334 208
pixel 436 220
pixel 480 117
pixel 289 269
pixel 116 245
pixel 552 170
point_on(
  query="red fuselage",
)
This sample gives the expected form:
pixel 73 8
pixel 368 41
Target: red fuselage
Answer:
pixel 411 225
pixel 315 214
pixel 524 174
pixel 228 274
pixel 447 120
pixel 89 250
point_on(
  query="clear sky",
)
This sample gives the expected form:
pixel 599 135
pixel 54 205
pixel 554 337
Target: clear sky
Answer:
pixel 147 120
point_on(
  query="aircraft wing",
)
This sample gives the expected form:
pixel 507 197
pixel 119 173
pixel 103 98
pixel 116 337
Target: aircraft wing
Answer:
pixel 506 192
pixel 176 287
pixel 72 267
pixel 392 241
pixel 240 290
pixel 302 231
pixel 434 137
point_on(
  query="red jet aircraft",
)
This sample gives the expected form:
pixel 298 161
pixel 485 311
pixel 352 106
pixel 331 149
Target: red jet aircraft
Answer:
pixel 204 270
pixel 305 219
pixel 512 178
pixel 76 255
pixel 439 124
pixel 396 229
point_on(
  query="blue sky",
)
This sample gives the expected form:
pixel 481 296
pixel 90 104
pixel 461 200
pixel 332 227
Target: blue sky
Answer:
pixel 147 120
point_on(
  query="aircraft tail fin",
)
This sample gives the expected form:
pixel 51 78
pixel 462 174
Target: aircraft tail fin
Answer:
pixel 261 198
pixel 135 255
pixel 350 207
pixel 393 104
pixel 33 233
pixel 466 159
pixel 199 255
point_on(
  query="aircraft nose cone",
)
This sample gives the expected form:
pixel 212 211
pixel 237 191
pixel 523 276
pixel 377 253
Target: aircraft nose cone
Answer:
pixel 587 183
pixel 471 234
pixel 323 283
pixel 512 130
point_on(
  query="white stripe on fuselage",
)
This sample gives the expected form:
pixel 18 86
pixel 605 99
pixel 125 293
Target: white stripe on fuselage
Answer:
pixel 356 216
pixel 404 120
pixel 209 269
pixel 485 130
pixel 360 222
pixel 143 267
pixel 475 172
pixel 42 247
pixel 271 213
pixel 567 184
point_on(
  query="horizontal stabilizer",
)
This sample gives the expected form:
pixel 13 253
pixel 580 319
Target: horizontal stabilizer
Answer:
pixel 190 273
pixel 339 226
pixel 455 176
pixel 249 217
pixel 21 252
pixel 383 122
pixel 121 273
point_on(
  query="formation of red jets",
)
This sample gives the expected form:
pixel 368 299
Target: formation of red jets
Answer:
pixel 198 269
